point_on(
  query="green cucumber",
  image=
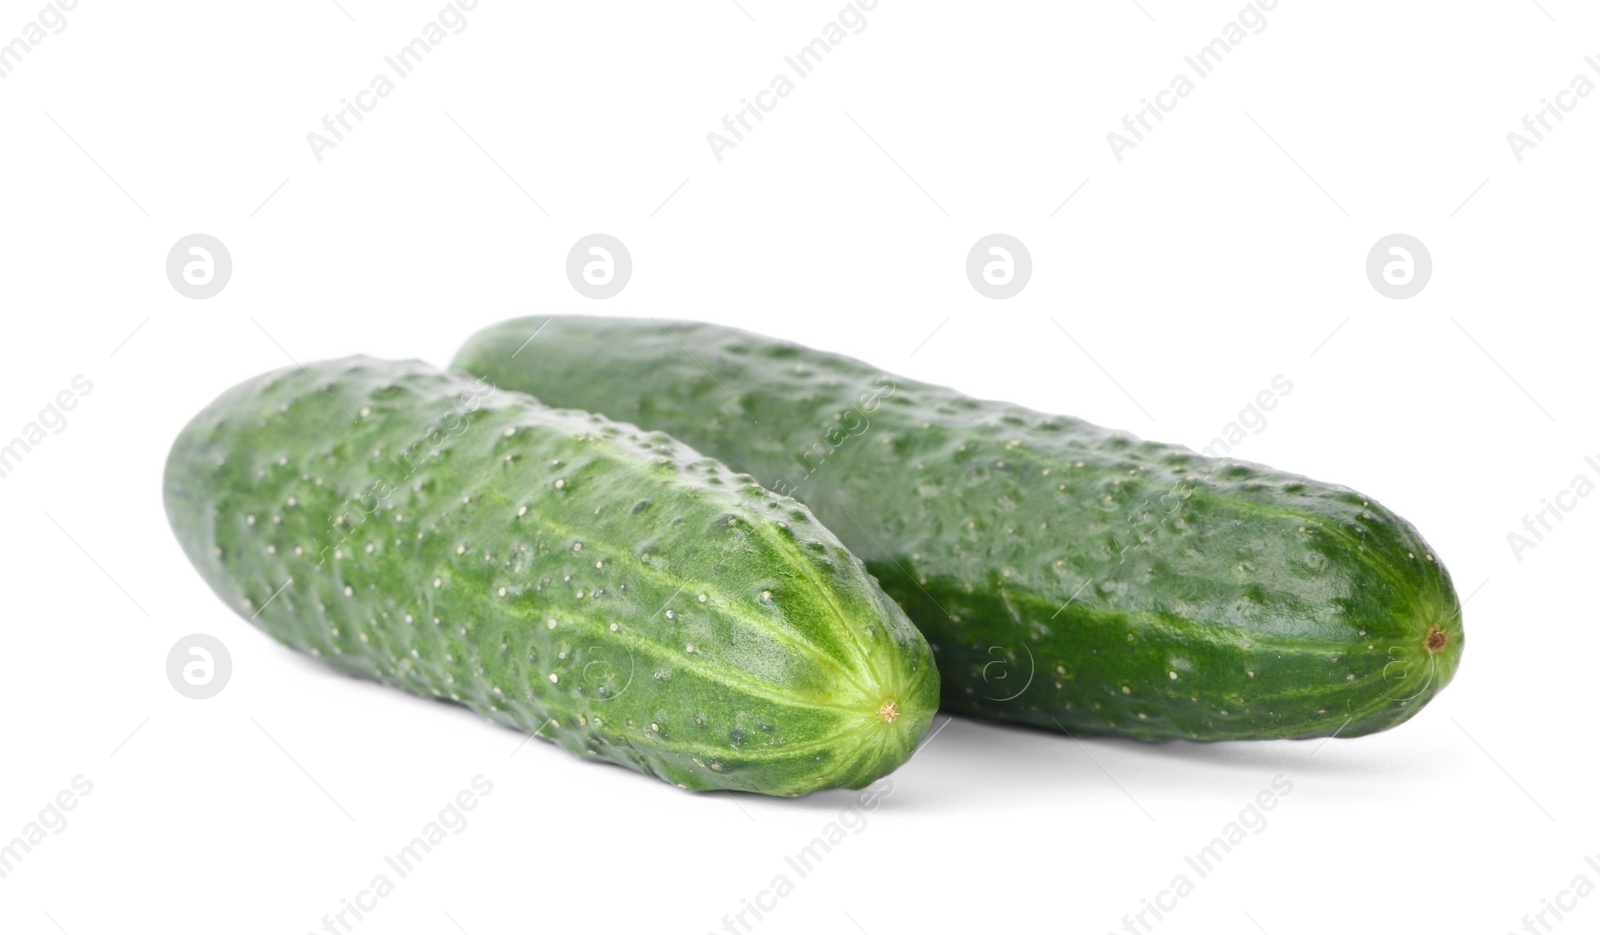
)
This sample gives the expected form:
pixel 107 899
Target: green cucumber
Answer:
pixel 603 588
pixel 1067 576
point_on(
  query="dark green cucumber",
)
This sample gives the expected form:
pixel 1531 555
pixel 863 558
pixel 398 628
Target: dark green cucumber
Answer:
pixel 604 588
pixel 1066 575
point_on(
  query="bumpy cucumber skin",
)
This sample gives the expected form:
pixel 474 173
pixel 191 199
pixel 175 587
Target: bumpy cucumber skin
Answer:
pixel 1068 576
pixel 605 588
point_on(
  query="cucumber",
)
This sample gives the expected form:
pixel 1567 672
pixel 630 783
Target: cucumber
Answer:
pixel 1067 576
pixel 603 588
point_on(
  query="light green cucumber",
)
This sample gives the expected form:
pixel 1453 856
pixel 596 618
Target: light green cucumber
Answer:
pixel 605 588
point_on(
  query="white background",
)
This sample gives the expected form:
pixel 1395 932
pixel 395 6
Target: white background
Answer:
pixel 1227 248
